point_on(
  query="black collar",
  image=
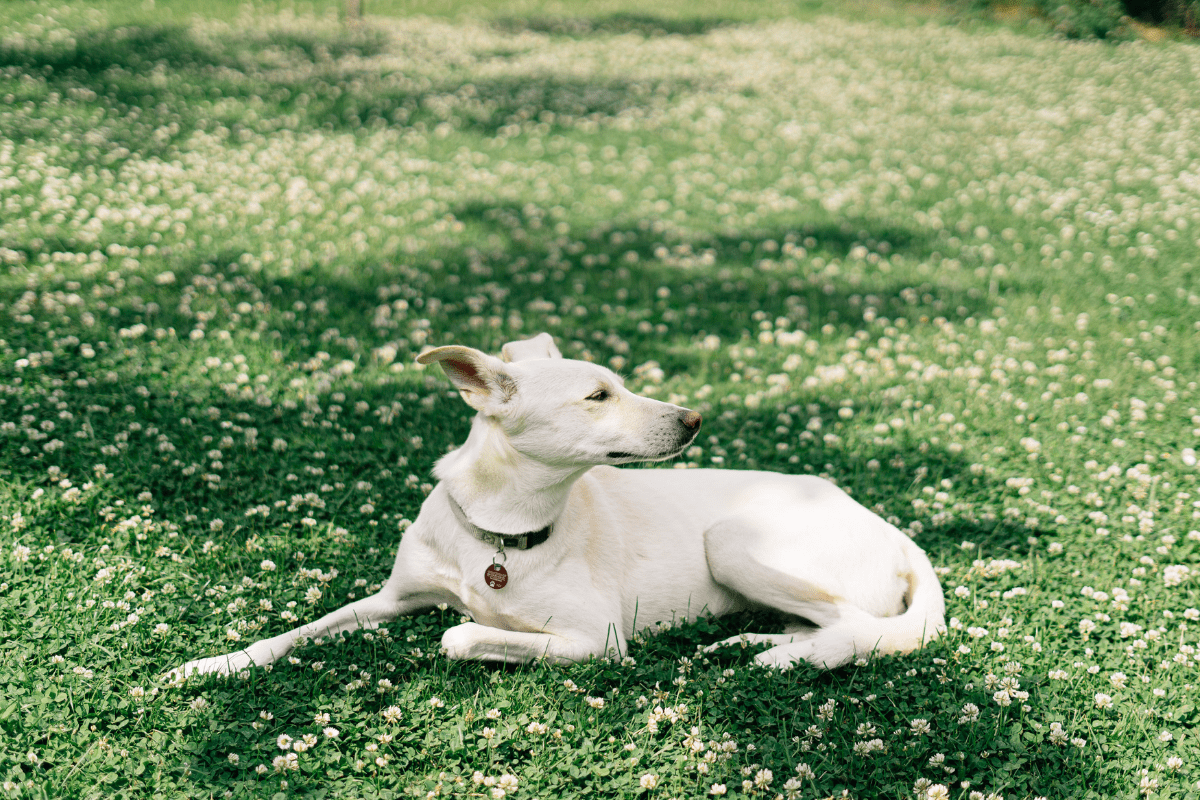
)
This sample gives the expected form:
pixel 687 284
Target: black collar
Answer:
pixel 517 541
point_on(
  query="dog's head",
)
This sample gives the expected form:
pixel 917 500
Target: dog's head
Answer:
pixel 564 412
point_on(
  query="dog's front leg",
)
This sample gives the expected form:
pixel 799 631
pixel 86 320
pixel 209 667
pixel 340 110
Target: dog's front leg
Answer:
pixel 370 612
pixel 473 641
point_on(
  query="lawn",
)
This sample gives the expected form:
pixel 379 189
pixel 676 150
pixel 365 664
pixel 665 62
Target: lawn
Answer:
pixel 952 269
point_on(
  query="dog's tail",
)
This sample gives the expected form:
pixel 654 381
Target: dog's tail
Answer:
pixel 858 634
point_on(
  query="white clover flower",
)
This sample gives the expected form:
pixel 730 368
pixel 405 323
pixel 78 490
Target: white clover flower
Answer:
pixel 1176 574
pixel 286 763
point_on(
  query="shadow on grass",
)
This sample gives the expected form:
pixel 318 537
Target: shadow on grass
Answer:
pixel 96 51
pixel 623 22
pixel 158 84
pixel 715 289
pixel 587 291
pixel 727 283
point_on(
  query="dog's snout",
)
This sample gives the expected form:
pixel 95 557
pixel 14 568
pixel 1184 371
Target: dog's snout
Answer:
pixel 691 420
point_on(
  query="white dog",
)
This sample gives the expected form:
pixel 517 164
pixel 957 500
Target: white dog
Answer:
pixel 554 552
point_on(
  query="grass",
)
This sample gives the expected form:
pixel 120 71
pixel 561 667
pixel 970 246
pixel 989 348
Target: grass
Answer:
pixel 666 16
pixel 951 270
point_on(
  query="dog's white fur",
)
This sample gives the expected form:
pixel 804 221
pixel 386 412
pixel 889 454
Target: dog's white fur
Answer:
pixel 630 549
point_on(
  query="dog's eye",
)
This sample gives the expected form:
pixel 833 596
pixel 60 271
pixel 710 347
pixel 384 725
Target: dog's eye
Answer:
pixel 600 395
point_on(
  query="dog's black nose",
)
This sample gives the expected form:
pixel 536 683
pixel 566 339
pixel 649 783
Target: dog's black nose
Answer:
pixel 691 420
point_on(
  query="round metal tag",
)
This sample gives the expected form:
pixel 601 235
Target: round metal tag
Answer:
pixel 496 576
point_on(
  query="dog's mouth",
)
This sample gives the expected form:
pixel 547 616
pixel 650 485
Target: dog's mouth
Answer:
pixel 662 455
pixel 616 455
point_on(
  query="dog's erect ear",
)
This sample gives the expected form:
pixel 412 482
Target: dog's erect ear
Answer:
pixel 479 378
pixel 540 346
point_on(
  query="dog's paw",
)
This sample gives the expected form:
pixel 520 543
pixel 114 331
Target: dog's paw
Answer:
pixel 786 656
pixel 742 640
pixel 458 642
pixel 226 664
pixel 824 651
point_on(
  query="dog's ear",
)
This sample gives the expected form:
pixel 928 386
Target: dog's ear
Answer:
pixel 540 346
pixel 479 378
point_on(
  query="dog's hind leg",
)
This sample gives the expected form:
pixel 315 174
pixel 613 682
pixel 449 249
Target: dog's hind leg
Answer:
pixel 737 555
pixel 730 548
pixel 866 586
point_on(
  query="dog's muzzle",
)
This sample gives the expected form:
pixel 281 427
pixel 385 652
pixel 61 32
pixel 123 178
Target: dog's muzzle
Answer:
pixel 690 420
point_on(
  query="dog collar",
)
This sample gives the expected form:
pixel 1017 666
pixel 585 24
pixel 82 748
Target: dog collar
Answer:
pixel 517 541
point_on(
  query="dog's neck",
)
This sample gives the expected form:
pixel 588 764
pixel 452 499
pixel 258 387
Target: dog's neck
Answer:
pixel 501 490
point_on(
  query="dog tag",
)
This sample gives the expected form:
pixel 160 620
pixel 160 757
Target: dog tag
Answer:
pixel 496 576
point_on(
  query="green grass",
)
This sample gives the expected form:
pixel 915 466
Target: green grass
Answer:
pixel 667 15
pixel 953 271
